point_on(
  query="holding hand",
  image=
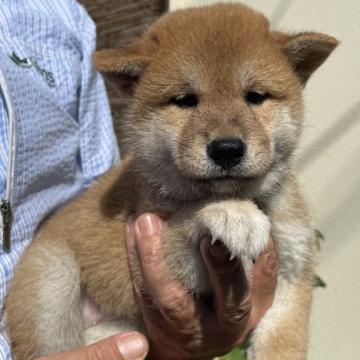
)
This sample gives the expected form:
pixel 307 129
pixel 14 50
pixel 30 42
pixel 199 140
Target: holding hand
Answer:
pixel 182 327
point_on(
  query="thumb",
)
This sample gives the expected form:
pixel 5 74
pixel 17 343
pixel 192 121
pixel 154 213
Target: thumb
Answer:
pixel 128 346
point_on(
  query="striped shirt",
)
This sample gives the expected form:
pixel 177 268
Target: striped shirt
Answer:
pixel 56 134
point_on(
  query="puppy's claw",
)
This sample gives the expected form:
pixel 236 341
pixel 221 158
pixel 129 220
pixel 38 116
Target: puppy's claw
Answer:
pixel 254 259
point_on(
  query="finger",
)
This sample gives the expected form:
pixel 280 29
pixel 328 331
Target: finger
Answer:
pixel 270 247
pixel 130 236
pixel 265 270
pixel 169 294
pixel 263 284
pixel 229 283
pixel 129 346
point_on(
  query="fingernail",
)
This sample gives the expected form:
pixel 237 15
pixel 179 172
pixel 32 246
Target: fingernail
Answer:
pixel 131 346
pixel 147 225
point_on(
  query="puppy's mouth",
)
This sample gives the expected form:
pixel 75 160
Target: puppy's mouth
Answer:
pixel 224 178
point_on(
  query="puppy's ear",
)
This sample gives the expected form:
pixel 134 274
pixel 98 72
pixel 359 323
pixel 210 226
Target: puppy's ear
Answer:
pixel 305 51
pixel 123 67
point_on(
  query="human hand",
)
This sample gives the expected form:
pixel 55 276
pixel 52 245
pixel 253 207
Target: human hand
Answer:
pixel 182 327
pixel 127 346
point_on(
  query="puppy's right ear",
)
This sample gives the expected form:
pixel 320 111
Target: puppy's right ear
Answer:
pixel 123 67
pixel 305 51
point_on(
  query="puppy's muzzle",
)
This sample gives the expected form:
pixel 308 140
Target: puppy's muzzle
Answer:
pixel 226 152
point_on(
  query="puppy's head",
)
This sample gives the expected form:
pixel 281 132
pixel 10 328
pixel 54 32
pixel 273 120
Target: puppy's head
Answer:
pixel 216 96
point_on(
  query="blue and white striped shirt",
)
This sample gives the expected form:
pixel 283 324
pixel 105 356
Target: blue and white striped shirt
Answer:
pixel 56 134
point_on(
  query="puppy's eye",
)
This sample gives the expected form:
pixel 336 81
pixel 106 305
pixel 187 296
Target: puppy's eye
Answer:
pixel 256 98
pixel 185 101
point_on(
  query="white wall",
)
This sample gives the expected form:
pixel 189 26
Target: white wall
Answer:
pixel 329 165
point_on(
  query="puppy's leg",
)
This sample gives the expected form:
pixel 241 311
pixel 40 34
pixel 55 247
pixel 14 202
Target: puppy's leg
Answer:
pixel 244 229
pixel 240 225
pixel 283 332
pixel 112 327
pixel 43 305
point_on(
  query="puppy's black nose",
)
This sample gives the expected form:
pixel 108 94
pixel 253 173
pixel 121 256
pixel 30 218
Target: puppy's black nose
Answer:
pixel 226 152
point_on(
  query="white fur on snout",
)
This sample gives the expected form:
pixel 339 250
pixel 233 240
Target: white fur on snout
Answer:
pixel 240 225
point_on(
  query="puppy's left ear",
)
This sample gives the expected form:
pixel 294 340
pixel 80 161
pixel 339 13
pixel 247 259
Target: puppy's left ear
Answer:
pixel 305 51
pixel 123 67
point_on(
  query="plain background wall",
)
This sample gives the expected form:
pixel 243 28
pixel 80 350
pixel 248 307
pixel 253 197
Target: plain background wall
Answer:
pixel 329 165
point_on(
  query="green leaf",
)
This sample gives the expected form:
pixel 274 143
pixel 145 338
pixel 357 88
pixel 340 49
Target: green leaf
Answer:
pixel 319 237
pixel 236 354
pixel 319 282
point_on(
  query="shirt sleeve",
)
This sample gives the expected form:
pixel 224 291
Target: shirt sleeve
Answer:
pixel 99 150
pixel 5 353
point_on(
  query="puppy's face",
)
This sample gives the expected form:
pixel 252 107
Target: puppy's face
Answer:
pixel 216 96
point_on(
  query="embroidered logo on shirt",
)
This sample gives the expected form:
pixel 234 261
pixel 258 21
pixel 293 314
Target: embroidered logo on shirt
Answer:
pixel 29 63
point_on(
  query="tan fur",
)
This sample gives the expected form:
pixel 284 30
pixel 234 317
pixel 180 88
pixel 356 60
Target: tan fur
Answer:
pixel 219 53
pixel 285 339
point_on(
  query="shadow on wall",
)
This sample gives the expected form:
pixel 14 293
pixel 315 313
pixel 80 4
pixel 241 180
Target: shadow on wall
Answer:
pixel 339 214
pixel 341 126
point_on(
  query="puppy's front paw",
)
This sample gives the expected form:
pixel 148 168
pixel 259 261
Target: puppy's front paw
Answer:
pixel 240 225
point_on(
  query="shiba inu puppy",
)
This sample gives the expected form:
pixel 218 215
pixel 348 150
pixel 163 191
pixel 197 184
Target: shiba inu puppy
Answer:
pixel 215 115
